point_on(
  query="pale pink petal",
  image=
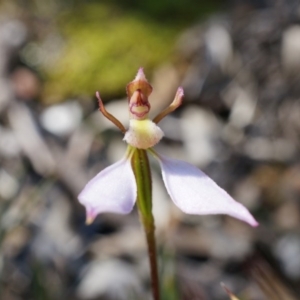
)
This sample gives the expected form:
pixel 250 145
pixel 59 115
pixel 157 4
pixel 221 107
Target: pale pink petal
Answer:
pixel 195 193
pixel 112 190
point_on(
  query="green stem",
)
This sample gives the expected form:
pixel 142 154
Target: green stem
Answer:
pixel 141 169
pixel 153 263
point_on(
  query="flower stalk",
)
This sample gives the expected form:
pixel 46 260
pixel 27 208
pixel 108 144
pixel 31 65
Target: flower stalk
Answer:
pixel 142 172
pixel 150 237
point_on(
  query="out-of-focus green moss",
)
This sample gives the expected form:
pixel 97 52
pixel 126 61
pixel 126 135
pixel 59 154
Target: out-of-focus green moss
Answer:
pixel 172 12
pixel 103 49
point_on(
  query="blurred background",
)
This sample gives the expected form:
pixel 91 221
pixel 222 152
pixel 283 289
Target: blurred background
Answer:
pixel 239 64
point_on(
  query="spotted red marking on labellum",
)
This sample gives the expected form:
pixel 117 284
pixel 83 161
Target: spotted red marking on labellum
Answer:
pixel 139 105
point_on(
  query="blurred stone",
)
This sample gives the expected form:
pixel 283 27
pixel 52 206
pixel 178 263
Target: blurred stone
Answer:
pixel 195 277
pixel 115 279
pixel 116 149
pixel 259 148
pixel 62 119
pixel 169 126
pixel 287 216
pixel 21 208
pixel 8 185
pixel 268 178
pixel 291 181
pixel 267 149
pixel 128 241
pixel 190 42
pixel 219 243
pixel 242 104
pixel 219 44
pixel 14 241
pixel 287 250
pixel 55 237
pixel 30 139
pixel 25 83
pixel 291 49
pixel 45 52
pixel 191 240
pixel 199 130
pixel 208 273
pixel 248 193
pixel 80 144
pixel 289 117
pixel 6 93
pixel 71 174
pixel 13 33
pixel 9 146
pixel 229 246
pixel 232 134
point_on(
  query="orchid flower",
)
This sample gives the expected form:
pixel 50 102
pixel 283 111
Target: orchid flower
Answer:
pixel 116 188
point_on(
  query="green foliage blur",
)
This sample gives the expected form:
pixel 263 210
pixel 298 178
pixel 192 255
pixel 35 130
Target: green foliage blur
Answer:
pixel 103 43
pixel 104 48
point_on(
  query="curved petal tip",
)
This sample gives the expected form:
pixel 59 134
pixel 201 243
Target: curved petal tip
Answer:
pixel 180 91
pixel 90 216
